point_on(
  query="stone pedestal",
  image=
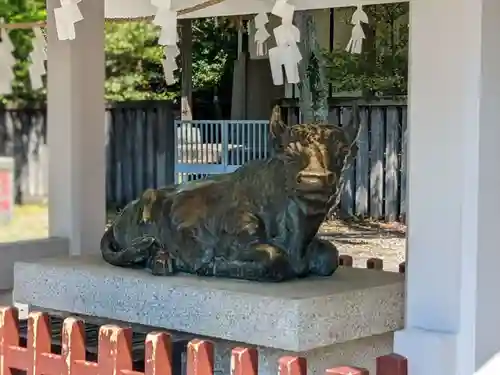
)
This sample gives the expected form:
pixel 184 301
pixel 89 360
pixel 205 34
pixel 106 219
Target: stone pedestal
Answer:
pixel 344 319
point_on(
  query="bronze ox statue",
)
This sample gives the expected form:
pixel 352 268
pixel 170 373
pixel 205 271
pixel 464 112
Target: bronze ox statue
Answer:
pixel 258 223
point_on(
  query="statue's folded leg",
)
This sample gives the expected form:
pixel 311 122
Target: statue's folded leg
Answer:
pixel 161 262
pixel 260 262
pixel 323 257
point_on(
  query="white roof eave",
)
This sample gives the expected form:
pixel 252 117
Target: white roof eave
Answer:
pixel 143 8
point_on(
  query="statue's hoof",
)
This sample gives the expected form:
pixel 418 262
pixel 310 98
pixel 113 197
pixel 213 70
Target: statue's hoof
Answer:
pixel 163 264
pixel 275 262
pixel 280 270
pixel 324 258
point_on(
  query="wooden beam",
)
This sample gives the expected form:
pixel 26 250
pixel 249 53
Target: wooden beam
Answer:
pixel 187 69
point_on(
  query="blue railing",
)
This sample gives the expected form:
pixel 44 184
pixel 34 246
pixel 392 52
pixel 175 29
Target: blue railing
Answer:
pixel 212 147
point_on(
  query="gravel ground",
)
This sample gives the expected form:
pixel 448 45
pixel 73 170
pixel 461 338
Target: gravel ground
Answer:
pixel 364 239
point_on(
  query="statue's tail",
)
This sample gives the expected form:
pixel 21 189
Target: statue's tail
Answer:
pixel 114 254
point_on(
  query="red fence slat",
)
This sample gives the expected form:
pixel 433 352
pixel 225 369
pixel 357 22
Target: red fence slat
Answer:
pixel 244 361
pixel 11 356
pixel 73 348
pixel 200 358
pixel 41 361
pixel 115 350
pixel 392 364
pixel 292 366
pixel 158 354
pixel 345 370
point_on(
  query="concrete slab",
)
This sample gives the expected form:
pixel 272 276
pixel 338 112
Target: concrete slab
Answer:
pixel 295 316
pixel 28 250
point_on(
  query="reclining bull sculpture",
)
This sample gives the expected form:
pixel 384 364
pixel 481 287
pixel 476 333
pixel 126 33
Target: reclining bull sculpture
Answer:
pixel 258 223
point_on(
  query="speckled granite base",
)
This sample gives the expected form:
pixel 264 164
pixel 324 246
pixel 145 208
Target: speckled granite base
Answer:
pixel 297 316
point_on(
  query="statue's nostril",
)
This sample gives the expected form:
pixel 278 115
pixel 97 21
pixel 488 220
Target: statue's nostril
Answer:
pixel 332 177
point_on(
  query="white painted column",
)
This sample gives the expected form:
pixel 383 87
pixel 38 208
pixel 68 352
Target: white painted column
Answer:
pixel 76 130
pixel 453 275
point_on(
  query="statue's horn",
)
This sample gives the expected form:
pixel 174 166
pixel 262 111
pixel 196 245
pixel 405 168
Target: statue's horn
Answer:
pixel 353 128
pixel 276 124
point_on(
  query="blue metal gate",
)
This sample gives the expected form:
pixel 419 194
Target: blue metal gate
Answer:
pixel 206 148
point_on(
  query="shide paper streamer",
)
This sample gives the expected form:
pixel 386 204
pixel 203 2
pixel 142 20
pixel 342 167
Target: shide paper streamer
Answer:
pixel 166 18
pixel 261 33
pixel 66 16
pixel 7 62
pixel 38 56
pixel 355 44
pixel 286 54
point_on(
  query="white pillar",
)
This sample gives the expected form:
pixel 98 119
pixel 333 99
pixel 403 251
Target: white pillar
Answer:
pixel 76 130
pixel 453 275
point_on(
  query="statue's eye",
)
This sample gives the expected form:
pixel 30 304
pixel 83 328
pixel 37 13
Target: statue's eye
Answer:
pixel 345 149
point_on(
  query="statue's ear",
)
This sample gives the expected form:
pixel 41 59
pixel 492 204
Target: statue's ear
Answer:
pixel 276 125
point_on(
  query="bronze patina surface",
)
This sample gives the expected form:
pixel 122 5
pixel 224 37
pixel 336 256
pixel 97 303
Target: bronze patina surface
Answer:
pixel 257 223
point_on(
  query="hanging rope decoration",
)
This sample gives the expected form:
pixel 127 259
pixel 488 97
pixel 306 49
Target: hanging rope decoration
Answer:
pixel 38 56
pixel 7 62
pixel 261 33
pixel 355 44
pixel 286 53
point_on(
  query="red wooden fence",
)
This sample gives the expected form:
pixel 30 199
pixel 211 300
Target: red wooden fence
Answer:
pixel 115 353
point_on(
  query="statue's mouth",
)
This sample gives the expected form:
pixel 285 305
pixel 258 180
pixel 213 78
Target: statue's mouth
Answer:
pixel 316 180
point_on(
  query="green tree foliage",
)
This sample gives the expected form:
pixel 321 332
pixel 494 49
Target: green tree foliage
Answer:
pixel 133 59
pixel 382 68
pixel 133 62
